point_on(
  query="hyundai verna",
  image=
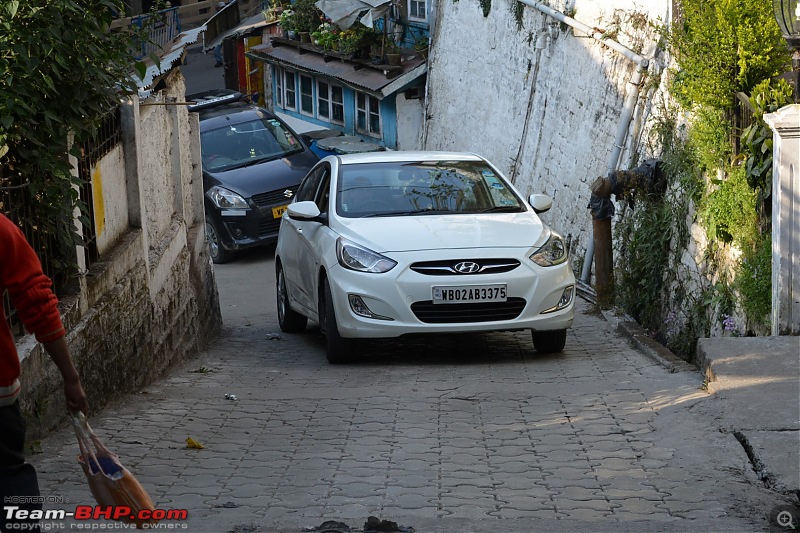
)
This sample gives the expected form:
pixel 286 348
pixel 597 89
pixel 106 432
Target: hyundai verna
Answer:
pixel 391 243
pixel 252 165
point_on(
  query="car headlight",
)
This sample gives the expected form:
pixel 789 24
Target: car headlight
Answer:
pixel 225 199
pixel 355 257
pixel 553 253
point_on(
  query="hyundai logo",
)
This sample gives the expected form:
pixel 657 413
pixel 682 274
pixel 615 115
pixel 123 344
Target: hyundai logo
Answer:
pixel 466 267
pixel 288 193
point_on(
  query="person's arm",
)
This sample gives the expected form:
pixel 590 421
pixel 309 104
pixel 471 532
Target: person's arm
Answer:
pixel 73 390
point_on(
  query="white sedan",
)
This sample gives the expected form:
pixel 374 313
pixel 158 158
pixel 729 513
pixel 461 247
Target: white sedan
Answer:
pixel 388 243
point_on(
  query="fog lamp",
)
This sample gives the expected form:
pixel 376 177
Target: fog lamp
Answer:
pixel 564 301
pixel 360 308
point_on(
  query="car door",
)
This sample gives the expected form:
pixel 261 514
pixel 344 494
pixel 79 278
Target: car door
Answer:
pixel 311 235
pixel 291 233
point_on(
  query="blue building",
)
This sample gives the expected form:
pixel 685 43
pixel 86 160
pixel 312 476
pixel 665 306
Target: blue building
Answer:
pixel 318 89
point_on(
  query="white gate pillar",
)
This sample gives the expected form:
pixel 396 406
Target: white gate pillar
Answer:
pixel 785 124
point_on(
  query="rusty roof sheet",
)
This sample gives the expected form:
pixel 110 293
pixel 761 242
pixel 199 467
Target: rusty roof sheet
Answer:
pixel 359 75
pixel 168 57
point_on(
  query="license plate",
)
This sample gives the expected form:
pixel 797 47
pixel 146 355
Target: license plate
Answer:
pixel 278 211
pixel 469 294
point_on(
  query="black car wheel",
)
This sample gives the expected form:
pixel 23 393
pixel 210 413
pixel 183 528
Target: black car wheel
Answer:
pixel 289 321
pixel 549 341
pixel 218 253
pixel 339 349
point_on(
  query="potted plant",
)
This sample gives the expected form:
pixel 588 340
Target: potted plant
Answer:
pixel 307 17
pixel 288 22
pixel 327 36
pixel 392 52
pixel 421 46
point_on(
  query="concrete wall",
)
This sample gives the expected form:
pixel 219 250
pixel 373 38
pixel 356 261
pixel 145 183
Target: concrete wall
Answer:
pixel 151 299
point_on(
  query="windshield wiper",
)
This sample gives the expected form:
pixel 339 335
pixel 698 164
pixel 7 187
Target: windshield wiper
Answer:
pixel 251 162
pixel 502 209
pixel 406 213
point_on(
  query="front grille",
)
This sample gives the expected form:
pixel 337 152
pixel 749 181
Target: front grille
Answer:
pixel 274 197
pixel 447 267
pixel 431 313
pixel 268 226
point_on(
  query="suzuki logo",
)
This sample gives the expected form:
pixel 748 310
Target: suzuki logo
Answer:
pixel 288 193
pixel 466 267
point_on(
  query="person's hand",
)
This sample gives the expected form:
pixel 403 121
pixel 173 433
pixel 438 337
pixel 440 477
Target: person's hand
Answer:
pixel 75 396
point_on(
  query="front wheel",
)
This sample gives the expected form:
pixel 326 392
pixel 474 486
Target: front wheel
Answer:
pixel 549 341
pixel 289 321
pixel 339 349
pixel 218 254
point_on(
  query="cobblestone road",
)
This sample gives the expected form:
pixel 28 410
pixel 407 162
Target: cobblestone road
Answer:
pixel 452 434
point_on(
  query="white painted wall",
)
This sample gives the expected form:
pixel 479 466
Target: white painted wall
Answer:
pixel 546 117
pixel 410 113
pixel 111 214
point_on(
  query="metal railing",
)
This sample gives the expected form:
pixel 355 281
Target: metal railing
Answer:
pixel 159 29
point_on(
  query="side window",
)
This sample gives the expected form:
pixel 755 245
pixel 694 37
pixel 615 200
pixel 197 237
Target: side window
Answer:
pixel 323 194
pixel 310 184
pixel 290 101
pixel 417 10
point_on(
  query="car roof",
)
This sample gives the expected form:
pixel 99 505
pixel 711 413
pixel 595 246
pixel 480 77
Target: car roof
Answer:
pixel 231 114
pixel 219 107
pixel 401 156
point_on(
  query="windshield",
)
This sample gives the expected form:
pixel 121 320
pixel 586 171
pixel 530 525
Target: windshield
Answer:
pixel 422 188
pixel 246 144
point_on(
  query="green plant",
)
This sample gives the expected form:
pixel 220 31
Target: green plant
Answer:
pixel 723 47
pixel 50 93
pixel 288 20
pixel 307 15
pixel 421 43
pixel 327 36
pixel 754 280
pixel 729 211
pixel 767 97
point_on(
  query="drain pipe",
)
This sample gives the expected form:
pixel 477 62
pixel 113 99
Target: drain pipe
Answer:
pixel 622 130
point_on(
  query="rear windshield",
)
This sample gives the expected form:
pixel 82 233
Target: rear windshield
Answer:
pixel 423 188
pixel 246 143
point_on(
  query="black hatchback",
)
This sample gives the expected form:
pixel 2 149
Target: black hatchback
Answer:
pixel 252 165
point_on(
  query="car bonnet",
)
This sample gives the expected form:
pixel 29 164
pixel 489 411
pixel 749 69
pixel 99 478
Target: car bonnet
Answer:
pixel 436 232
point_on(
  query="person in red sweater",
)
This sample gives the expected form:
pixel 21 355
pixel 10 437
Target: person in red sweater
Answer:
pixel 29 290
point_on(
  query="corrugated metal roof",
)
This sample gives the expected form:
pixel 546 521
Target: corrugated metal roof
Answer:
pixel 359 75
pixel 248 25
pixel 167 59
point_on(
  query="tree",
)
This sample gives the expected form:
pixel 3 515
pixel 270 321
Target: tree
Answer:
pixel 724 47
pixel 61 69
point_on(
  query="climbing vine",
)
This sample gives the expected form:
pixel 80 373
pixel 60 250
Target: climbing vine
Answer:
pixel 721 49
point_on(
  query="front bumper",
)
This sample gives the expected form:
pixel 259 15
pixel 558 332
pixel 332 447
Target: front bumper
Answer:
pixel 402 297
pixel 245 228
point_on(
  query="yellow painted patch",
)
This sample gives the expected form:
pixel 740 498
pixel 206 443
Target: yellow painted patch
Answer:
pixel 97 200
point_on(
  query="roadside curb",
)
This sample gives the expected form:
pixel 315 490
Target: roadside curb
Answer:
pixel 647 345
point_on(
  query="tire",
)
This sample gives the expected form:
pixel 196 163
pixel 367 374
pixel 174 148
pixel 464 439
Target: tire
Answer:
pixel 339 349
pixel 549 341
pixel 218 254
pixel 288 320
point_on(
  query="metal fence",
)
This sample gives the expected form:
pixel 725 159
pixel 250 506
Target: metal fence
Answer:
pixel 16 204
pixel 108 135
pixel 160 29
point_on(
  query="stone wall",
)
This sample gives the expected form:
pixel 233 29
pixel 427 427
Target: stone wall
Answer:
pixel 151 299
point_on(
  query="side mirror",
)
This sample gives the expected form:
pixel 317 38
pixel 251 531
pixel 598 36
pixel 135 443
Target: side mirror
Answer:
pixel 540 202
pixel 307 210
